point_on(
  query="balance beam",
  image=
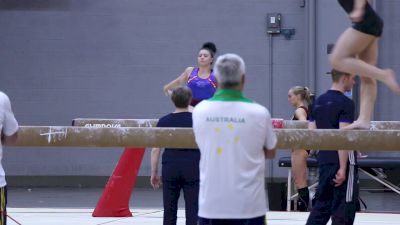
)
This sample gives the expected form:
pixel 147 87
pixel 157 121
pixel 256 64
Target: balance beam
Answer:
pixel 58 136
pixel 287 124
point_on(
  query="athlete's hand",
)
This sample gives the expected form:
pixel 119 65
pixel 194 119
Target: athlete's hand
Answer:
pixel 340 177
pixel 357 14
pixel 168 93
pixel 155 181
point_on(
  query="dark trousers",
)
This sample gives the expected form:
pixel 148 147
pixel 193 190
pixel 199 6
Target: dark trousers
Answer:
pixel 251 221
pixel 330 201
pixel 177 177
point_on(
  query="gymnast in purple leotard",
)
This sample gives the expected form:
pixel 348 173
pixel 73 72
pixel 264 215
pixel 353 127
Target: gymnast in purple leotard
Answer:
pixel 200 79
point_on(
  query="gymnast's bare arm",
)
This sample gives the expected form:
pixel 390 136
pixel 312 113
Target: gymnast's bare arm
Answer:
pixel 179 81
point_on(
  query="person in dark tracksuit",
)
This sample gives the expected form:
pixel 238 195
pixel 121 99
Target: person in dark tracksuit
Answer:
pixel 180 167
pixel 337 192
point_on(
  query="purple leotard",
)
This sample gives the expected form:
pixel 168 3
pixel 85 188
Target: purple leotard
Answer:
pixel 202 88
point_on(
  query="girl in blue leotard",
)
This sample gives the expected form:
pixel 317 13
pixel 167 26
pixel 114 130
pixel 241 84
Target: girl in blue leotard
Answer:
pixel 200 79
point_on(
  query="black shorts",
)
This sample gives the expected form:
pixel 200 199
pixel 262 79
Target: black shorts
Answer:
pixel 371 23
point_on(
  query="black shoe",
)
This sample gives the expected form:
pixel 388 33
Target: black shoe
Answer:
pixel 304 198
pixel 301 205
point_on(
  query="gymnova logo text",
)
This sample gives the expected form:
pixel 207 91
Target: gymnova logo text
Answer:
pixel 101 125
pixel 221 119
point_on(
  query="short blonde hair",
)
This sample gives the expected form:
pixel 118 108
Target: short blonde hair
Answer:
pixel 336 75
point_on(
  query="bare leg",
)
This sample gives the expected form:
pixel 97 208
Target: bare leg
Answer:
pixel 368 89
pixel 349 45
pixel 299 168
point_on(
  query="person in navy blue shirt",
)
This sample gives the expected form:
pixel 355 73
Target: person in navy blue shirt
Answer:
pixel 180 167
pixel 337 191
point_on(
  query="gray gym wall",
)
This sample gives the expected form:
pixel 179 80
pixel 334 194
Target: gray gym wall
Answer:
pixel 64 59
